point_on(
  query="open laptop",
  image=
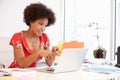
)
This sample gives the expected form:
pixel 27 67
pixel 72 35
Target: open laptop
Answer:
pixel 70 60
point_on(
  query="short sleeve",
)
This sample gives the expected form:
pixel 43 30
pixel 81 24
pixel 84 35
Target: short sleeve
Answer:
pixel 46 39
pixel 16 40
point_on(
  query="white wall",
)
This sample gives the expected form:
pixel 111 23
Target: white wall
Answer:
pixel 6 51
pixel 11 17
pixel 11 21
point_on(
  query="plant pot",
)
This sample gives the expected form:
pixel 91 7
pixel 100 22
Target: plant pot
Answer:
pixel 99 53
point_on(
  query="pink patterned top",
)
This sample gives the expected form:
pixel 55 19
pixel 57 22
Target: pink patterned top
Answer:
pixel 19 40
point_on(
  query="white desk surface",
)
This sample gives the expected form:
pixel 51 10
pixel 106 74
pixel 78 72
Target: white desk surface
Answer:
pixel 77 75
pixel 32 74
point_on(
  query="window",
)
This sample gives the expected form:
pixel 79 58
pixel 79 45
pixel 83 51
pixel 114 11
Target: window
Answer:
pixel 117 24
pixel 82 17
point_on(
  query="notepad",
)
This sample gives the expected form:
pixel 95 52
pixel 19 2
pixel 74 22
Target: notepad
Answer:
pixel 103 70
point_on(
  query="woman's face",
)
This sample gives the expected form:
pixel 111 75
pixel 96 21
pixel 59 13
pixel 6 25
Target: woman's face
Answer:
pixel 37 27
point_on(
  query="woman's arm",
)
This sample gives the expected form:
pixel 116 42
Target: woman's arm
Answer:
pixel 26 61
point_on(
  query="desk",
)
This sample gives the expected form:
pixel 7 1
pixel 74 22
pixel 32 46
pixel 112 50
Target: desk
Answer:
pixel 78 75
pixel 32 74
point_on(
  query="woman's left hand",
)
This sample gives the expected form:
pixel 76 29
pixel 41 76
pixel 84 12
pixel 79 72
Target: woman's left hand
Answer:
pixel 55 50
pixel 51 57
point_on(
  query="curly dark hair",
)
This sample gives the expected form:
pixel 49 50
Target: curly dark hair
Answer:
pixel 36 11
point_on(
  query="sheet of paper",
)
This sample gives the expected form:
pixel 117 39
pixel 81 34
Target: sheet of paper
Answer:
pixel 102 70
pixel 4 73
pixel 23 72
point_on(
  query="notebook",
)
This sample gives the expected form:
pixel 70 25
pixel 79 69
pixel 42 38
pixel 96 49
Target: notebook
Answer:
pixel 70 60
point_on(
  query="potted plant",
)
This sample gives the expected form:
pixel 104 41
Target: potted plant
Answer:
pixel 99 52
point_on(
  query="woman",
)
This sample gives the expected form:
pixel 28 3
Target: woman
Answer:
pixel 32 44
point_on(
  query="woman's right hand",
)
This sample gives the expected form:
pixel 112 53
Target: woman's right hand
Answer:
pixel 44 53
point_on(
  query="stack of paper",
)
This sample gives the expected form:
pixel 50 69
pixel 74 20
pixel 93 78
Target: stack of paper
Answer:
pixel 4 73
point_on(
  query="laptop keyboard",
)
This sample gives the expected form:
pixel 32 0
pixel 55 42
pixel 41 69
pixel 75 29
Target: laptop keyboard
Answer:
pixel 50 69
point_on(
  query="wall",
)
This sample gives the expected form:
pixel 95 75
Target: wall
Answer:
pixel 11 17
pixel 6 51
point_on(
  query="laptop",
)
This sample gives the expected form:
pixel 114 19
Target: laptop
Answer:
pixel 70 60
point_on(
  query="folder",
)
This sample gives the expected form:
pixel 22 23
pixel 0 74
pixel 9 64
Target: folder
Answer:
pixel 73 44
